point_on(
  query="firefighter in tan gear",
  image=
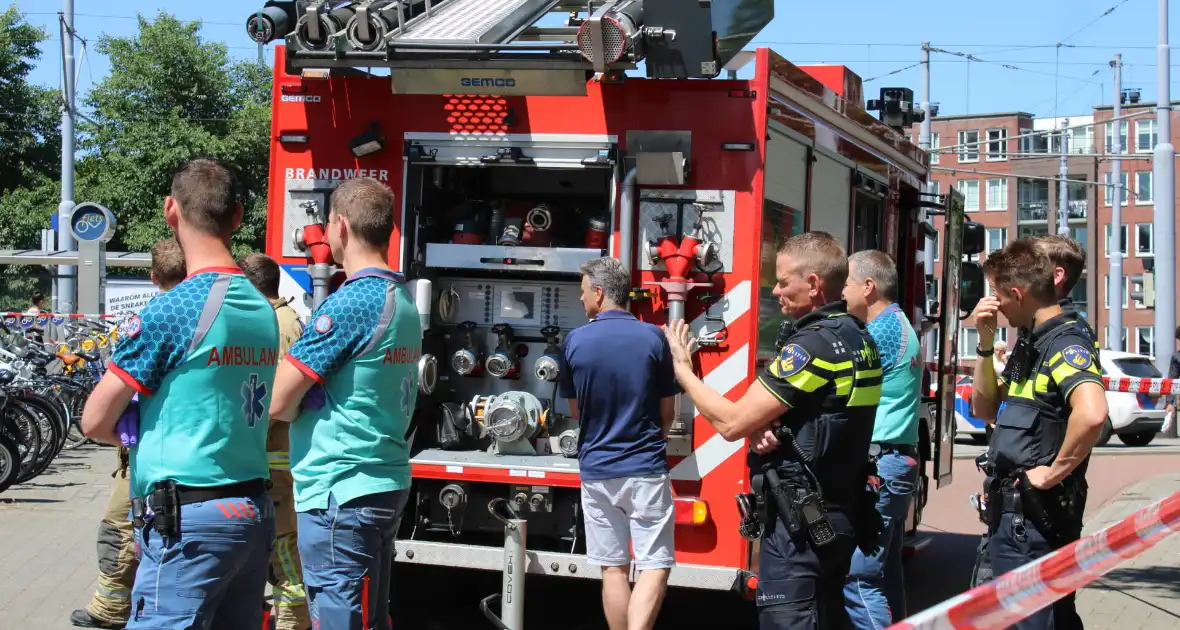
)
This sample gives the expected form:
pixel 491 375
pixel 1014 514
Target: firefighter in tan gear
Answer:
pixel 111 605
pixel 286 572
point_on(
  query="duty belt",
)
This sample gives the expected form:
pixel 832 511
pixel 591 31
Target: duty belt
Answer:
pixel 189 495
pixel 877 449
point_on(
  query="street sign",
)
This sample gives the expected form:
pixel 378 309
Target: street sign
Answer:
pixel 92 223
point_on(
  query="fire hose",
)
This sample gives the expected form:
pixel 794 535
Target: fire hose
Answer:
pixel 1038 584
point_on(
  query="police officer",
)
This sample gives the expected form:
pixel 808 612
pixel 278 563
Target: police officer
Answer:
pixel 819 397
pixel 201 357
pixel 1068 259
pixel 1056 407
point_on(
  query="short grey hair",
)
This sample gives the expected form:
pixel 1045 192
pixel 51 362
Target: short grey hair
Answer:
pixel 880 267
pixel 609 274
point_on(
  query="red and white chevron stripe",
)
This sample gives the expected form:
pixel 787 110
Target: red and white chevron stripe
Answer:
pixel 1021 592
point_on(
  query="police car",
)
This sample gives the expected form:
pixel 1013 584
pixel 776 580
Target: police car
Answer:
pixel 1134 418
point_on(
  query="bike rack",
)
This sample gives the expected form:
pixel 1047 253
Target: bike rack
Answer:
pixel 512 591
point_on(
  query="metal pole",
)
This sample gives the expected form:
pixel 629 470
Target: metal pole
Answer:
pixel 66 284
pixel 1115 291
pixel 1165 220
pixel 1063 183
pixel 512 598
pixel 925 140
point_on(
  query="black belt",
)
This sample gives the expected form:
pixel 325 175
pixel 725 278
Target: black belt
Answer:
pixel 189 494
pixel 876 449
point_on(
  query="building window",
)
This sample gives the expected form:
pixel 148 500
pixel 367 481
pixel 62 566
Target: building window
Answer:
pixel 968 340
pixel 970 190
pixel 1145 136
pixel 937 248
pixel 1109 188
pixel 1081 140
pixel 969 153
pixel 1026 231
pixel 1078 234
pixel 997 194
pixel 934 148
pixel 1126 292
pixel 1142 188
pixel 1078 295
pixel 996 238
pixel 997 145
pixel 1032 200
pixel 1106 336
pixel 1110 136
pixel 1145 341
pixel 1143 239
pixel 1123 248
pixel 1037 142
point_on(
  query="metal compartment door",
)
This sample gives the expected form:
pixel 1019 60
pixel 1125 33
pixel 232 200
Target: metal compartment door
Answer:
pixel 786 171
pixel 948 342
pixel 513 150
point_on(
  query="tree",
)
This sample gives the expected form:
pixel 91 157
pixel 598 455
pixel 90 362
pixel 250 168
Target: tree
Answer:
pixel 30 153
pixel 170 96
pixel 30 141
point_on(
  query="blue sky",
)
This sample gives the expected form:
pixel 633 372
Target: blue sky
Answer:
pixel 872 38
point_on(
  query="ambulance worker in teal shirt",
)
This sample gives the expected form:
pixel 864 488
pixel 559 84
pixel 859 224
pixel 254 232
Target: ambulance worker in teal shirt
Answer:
pixel 201 357
pixel 349 385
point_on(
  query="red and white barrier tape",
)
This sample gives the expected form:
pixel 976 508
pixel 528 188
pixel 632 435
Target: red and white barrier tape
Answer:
pixel 1021 592
pixel 1142 385
pixel 60 316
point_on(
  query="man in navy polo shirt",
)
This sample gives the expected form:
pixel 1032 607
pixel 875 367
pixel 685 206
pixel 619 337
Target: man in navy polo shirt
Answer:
pixel 619 379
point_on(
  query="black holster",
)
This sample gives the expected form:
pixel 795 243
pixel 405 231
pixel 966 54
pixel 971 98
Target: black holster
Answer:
pixel 164 502
pixel 1056 511
pixel 801 509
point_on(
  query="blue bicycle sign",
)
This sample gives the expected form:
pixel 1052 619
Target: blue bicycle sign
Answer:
pixel 92 222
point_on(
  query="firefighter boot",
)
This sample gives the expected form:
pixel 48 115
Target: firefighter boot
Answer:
pixel 286 570
pixel 117 563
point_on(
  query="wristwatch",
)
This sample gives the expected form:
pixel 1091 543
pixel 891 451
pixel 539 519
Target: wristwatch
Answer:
pixel 980 352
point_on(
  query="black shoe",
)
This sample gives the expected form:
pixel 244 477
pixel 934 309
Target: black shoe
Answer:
pixel 82 619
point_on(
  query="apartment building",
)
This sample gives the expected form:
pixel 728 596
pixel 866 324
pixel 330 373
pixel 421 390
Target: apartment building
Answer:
pixel 1007 165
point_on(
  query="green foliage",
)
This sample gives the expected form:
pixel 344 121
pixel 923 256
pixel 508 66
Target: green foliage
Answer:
pixel 30 140
pixel 170 96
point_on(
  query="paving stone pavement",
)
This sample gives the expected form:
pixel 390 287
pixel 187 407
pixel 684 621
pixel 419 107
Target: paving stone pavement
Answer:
pixel 47 539
pixel 48 527
pixel 1144 592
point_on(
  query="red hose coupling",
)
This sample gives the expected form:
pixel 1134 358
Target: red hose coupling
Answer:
pixel 677 258
pixel 315 238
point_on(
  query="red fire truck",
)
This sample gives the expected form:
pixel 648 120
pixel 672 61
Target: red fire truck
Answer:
pixel 518 151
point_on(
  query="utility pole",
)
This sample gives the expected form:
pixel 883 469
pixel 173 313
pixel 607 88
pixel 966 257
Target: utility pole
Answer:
pixel 1115 317
pixel 1063 183
pixel 66 285
pixel 924 142
pixel 1164 167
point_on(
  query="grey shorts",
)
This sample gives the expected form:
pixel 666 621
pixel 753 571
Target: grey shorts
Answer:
pixel 629 513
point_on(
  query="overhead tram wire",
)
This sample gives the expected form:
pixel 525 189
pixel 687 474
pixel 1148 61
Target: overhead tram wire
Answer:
pixel 1095 20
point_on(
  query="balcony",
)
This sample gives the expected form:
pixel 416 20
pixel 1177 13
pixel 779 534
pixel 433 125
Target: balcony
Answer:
pixel 1076 209
pixel 1032 211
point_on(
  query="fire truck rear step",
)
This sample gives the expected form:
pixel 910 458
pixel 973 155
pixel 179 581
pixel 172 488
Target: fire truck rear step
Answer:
pixel 474 21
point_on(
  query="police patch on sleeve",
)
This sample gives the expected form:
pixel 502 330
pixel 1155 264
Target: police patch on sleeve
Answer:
pixel 790 361
pixel 1078 357
pixel 323 324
